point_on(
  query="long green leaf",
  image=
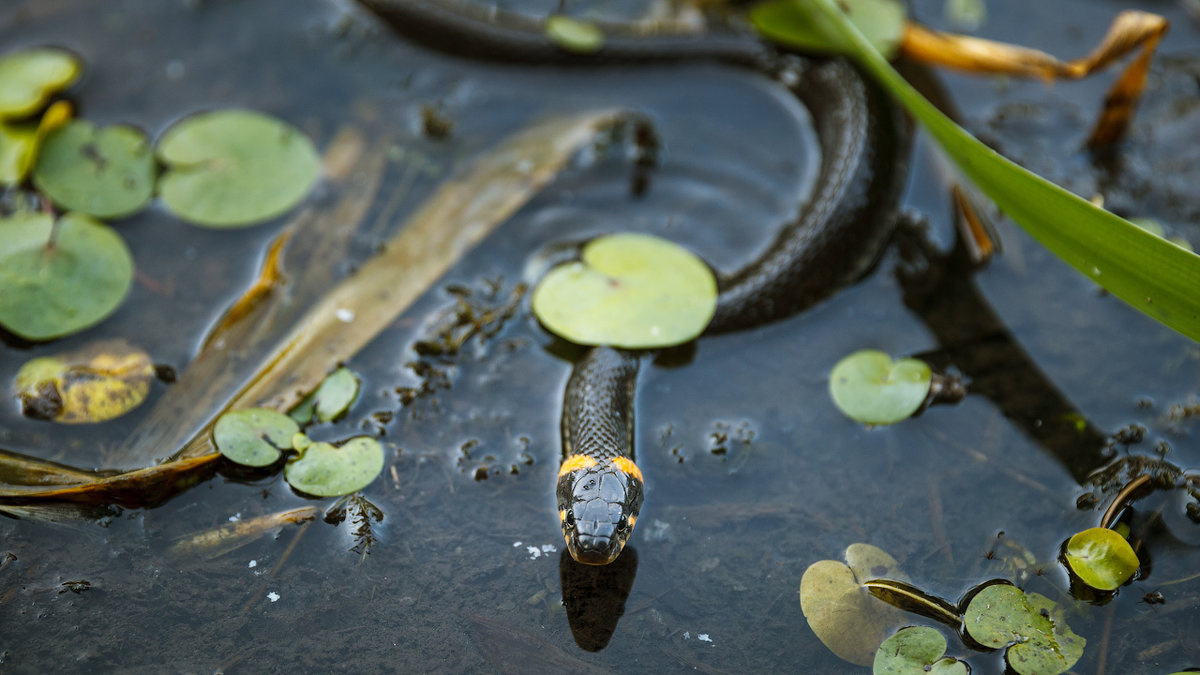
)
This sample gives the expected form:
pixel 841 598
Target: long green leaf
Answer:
pixel 1151 274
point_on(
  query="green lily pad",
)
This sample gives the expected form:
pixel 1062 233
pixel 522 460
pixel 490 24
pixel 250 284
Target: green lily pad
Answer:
pixel 880 21
pixel 254 436
pixel 1101 558
pixel 107 173
pixel 630 290
pixel 917 650
pixel 96 383
pixel 50 290
pixel 869 387
pixel 1041 642
pixel 231 168
pixel 327 471
pixel 573 35
pixel 31 76
pixel 844 616
pixel 335 395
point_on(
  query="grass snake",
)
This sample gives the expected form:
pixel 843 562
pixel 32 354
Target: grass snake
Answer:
pixel 834 236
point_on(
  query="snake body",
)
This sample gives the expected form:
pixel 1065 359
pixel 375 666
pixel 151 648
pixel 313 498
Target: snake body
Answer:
pixel 831 241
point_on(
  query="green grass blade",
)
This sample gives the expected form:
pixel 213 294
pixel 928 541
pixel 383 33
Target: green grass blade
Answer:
pixel 1149 273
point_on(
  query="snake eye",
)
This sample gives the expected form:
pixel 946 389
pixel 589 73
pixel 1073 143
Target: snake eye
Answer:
pixel 570 519
pixel 623 522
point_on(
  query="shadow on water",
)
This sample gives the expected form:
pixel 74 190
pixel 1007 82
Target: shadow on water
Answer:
pixel 751 473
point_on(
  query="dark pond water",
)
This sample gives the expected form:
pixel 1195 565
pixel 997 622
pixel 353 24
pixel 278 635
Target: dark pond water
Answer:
pixel 752 474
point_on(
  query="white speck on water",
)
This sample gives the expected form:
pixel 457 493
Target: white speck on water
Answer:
pixel 534 552
pixel 687 635
pixel 344 315
pixel 703 637
pixel 273 596
pixel 253 564
pixel 549 548
pixel 235 517
pixel 516 544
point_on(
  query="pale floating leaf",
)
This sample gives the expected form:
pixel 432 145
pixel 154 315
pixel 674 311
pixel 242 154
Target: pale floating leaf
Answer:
pixel 1101 558
pixel 48 291
pixel 105 172
pixel 31 76
pixel 630 290
pixel 97 383
pixel 231 168
pixel 254 436
pixel 869 387
pixel 328 471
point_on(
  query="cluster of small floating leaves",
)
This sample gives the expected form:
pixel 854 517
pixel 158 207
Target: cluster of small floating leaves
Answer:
pixel 226 168
pixel 1031 625
pixel 99 382
pixel 869 387
pixel 1101 558
pixel 916 650
pixel 629 290
pixel 259 436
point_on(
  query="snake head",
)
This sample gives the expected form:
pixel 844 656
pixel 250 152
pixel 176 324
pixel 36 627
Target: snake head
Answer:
pixel 598 504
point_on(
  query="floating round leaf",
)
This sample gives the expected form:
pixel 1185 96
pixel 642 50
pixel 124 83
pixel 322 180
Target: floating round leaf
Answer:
pixel 107 173
pixel 99 382
pixel 254 436
pixel 327 471
pixel 1042 643
pixel 844 616
pixel 869 387
pixel 53 288
pixel 30 76
pixel 916 650
pixel 231 168
pixel 573 35
pixel 630 290
pixel 335 394
pixel 19 142
pixel 1101 558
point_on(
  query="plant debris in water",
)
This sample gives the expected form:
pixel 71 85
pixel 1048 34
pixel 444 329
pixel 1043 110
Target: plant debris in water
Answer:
pixel 97 383
pixel 362 513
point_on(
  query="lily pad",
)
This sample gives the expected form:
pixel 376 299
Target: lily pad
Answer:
pixel 917 650
pixel 844 616
pixel 97 383
pixel 105 172
pixel 869 387
pixel 1101 558
pixel 630 290
pixel 50 289
pixel 334 396
pixel 31 76
pixel 254 436
pixel 1041 642
pixel 328 471
pixel 231 168
pixel 573 35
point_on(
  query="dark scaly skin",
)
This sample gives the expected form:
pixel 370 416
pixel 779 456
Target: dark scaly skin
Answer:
pixel 834 238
